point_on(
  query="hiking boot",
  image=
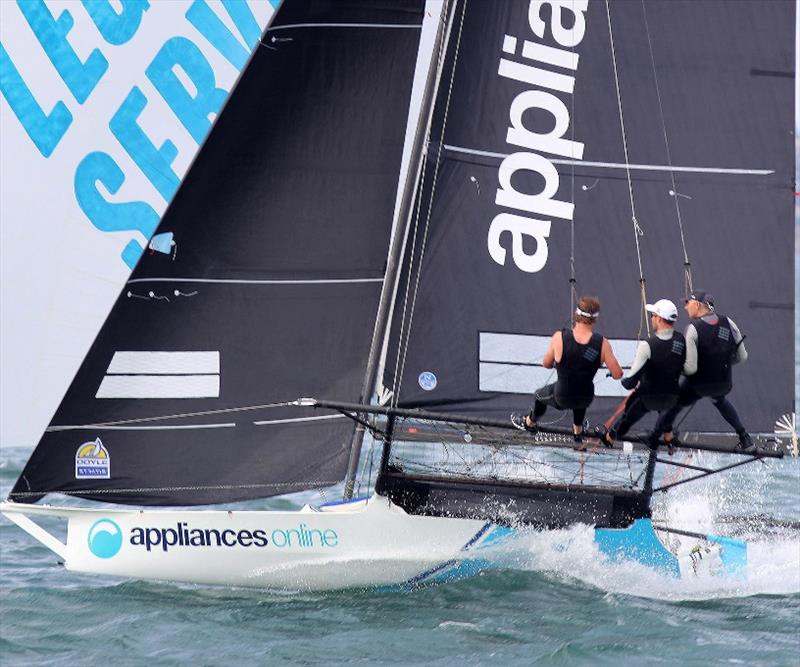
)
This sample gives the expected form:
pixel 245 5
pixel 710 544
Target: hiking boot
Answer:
pixel 746 444
pixel 521 422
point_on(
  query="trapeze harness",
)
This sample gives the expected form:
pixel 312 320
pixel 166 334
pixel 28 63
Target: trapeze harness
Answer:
pixel 576 371
pixel 658 378
pixel 716 348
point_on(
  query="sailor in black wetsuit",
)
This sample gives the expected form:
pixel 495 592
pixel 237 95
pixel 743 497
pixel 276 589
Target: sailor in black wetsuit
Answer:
pixel 713 345
pixel 577 355
pixel 656 368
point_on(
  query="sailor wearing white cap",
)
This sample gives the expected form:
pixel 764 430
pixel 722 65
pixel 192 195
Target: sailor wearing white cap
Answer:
pixel 656 368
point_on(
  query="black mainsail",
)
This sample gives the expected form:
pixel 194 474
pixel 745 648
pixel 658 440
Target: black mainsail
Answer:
pixel 281 230
pixel 608 147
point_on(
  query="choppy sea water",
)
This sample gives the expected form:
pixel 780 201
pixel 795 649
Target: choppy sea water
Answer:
pixel 552 601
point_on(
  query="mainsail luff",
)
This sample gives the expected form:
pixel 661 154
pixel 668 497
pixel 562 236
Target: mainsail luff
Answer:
pixel 379 344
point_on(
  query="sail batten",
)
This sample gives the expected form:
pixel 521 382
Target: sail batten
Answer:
pixel 621 165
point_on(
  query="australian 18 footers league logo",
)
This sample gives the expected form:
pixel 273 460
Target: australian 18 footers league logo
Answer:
pixel 92 461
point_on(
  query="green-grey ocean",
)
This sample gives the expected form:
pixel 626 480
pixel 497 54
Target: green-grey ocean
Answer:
pixel 552 600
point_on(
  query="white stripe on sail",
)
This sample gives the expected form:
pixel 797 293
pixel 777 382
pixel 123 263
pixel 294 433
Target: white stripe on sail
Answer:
pixel 512 363
pixel 159 386
pixel 513 348
pixel 164 363
pixel 516 379
pixel 297 419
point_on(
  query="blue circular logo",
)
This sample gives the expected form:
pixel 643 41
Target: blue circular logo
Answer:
pixel 427 381
pixel 105 538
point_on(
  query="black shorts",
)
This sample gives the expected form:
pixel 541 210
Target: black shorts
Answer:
pixel 547 395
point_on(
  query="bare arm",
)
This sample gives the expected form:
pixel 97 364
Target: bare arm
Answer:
pixel 610 361
pixel 690 365
pixel 554 350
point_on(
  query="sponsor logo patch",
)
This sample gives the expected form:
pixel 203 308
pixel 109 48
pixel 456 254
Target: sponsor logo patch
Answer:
pixel 184 536
pixel 105 538
pixel 427 381
pixel 92 461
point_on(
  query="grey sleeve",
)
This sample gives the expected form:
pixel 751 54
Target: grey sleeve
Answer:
pixel 640 359
pixel 690 365
pixel 741 351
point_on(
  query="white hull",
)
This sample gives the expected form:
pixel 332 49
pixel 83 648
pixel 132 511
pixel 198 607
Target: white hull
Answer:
pixel 362 544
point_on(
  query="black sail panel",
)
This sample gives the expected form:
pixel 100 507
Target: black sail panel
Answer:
pixel 707 128
pixel 262 282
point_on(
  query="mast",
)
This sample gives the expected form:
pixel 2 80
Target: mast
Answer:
pixel 796 216
pixel 398 242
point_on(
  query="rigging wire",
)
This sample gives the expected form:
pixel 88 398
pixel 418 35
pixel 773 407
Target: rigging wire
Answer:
pixel 204 413
pixel 441 53
pixel 687 266
pixel 403 349
pixel 572 280
pixel 637 230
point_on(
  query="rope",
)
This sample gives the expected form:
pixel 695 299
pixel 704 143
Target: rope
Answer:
pixel 423 171
pixel 53 429
pixel 637 230
pixel 687 266
pixel 572 281
pixel 404 346
pixel 402 333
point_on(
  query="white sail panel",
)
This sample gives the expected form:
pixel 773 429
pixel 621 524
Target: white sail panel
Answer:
pixel 159 386
pixel 164 363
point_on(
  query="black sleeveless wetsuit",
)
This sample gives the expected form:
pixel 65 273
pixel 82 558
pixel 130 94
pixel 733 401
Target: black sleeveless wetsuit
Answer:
pixel 574 388
pixel 716 349
pixel 658 381
pixel 576 370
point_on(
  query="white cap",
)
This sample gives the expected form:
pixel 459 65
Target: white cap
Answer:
pixel 664 308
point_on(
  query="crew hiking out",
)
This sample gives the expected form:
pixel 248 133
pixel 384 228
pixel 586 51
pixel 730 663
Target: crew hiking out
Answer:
pixel 713 345
pixel 577 354
pixel 655 372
